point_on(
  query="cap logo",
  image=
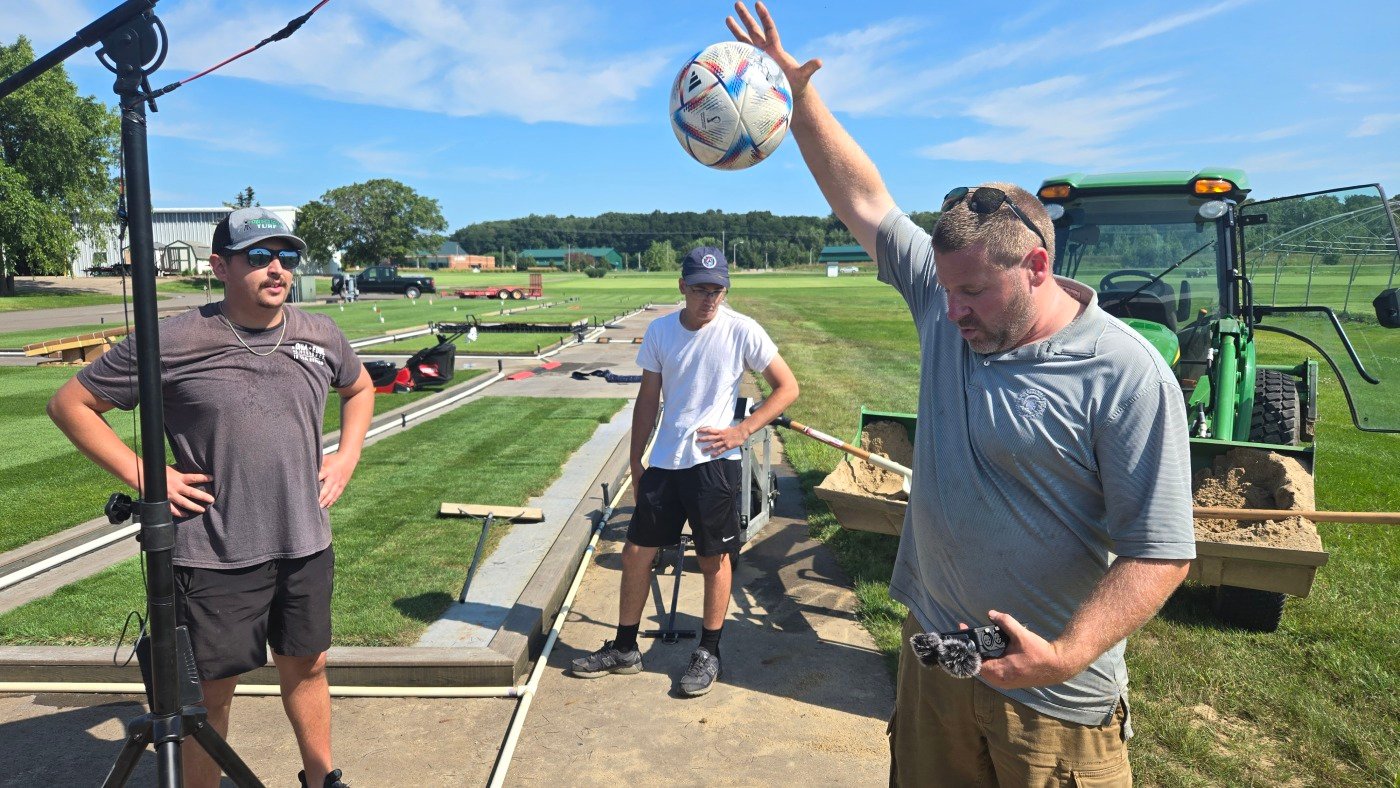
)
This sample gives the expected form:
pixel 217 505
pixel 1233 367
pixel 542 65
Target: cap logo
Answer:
pixel 264 224
pixel 709 261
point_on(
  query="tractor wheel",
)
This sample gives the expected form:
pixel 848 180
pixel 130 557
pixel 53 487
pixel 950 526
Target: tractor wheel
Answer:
pixel 412 292
pixel 1278 411
pixel 1248 608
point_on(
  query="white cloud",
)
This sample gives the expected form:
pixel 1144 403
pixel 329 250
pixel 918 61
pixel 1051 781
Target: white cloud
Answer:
pixel 1372 125
pixel 1059 121
pixel 534 62
pixel 243 139
pixel 390 159
pixel 1170 23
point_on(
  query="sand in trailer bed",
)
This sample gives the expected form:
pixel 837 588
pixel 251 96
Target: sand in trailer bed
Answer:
pixel 886 438
pixel 1255 479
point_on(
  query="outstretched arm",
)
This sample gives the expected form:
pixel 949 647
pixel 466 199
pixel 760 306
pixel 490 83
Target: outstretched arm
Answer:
pixel 1130 593
pixel 846 175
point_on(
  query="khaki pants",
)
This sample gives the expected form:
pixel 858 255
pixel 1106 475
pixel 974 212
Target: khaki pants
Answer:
pixel 960 732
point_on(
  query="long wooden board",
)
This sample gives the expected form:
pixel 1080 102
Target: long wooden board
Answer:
pixel 519 514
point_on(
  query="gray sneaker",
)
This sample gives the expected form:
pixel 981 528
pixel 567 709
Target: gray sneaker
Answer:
pixel 701 675
pixel 605 660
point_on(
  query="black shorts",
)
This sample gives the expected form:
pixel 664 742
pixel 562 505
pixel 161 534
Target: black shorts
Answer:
pixel 706 494
pixel 235 614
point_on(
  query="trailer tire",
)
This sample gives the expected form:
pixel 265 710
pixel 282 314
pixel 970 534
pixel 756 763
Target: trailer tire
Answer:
pixel 503 294
pixel 1278 410
pixel 516 295
pixel 412 291
pixel 1248 608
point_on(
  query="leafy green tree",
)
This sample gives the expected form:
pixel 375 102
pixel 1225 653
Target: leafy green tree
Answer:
pixel 57 154
pixel 371 222
pixel 660 256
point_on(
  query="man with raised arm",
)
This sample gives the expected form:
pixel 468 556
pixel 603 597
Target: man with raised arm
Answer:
pixel 1051 491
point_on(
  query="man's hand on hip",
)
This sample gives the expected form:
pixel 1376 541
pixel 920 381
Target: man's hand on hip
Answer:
pixel 715 441
pixel 185 498
pixel 336 470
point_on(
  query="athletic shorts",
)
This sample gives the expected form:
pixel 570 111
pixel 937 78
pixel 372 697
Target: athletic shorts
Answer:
pixel 234 615
pixel 707 495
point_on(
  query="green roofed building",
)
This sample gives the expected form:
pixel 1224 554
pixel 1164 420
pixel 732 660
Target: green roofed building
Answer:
pixel 843 254
pixel 601 255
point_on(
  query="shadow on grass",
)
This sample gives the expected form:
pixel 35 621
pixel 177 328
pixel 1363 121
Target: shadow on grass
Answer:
pixel 1192 605
pixel 426 608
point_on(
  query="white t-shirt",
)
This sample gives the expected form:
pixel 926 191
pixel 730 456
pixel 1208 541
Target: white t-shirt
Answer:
pixel 700 375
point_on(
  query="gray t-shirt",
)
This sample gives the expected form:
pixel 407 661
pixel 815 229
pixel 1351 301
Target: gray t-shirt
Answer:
pixel 1033 468
pixel 251 422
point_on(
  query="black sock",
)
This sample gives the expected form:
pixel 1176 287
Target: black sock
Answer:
pixel 709 639
pixel 626 638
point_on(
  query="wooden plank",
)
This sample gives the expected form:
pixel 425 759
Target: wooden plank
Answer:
pixel 518 514
pixel 1261 553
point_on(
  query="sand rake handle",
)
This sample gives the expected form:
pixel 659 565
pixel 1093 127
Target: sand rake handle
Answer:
pixel 873 459
pixel 1226 513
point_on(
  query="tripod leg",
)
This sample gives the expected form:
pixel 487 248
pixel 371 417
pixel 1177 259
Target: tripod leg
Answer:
pixel 138 735
pixel 675 594
pixel 219 750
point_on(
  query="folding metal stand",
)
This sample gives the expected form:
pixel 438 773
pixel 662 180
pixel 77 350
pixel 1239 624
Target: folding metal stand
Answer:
pixel 670 634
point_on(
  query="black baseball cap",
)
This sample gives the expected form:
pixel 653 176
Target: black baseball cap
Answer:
pixel 705 265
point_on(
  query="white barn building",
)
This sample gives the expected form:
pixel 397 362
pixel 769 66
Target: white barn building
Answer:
pixel 182 237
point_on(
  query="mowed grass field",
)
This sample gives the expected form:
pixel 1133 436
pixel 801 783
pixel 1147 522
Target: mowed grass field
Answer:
pixel 398 565
pixel 1315 703
pixel 49 485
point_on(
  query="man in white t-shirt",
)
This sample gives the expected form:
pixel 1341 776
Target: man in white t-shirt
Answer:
pixel 696 358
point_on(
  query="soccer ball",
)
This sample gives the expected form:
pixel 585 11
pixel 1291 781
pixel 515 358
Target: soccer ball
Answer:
pixel 730 106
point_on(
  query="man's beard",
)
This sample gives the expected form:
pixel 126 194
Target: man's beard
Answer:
pixel 1015 323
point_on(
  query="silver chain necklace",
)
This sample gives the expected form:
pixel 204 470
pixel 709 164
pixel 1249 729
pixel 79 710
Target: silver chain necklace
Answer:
pixel 280 335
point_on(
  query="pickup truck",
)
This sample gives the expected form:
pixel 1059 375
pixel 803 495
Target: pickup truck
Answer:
pixel 385 279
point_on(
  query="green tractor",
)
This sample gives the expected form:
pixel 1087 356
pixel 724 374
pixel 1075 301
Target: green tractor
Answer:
pixel 1202 272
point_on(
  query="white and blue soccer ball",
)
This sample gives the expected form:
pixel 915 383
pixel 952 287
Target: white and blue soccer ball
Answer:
pixel 730 106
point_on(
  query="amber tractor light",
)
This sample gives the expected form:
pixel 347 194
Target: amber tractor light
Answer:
pixel 1057 191
pixel 1213 186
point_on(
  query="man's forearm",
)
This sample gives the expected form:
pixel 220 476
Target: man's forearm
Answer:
pixel 356 413
pixel 94 437
pixel 1132 591
pixel 643 422
pixel 773 406
pixel 847 177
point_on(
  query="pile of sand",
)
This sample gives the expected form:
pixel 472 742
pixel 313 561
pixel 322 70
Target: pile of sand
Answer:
pixel 1254 479
pixel 886 438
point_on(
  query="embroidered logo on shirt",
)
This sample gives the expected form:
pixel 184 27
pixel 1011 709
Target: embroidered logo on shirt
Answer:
pixel 1032 403
pixel 303 351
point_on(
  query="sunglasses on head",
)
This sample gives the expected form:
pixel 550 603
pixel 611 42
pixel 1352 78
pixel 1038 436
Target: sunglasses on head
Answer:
pixel 259 257
pixel 988 200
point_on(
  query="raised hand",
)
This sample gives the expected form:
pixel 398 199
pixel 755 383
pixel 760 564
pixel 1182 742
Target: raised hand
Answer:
pixel 763 33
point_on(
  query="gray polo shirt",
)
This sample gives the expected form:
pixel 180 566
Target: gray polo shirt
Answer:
pixel 1033 468
pixel 252 422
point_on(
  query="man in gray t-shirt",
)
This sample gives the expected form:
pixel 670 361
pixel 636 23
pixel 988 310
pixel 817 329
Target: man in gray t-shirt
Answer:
pixel 244 384
pixel 1051 490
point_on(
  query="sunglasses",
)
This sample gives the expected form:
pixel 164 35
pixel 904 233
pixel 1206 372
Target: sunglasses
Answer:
pixel 987 200
pixel 258 257
pixel 708 295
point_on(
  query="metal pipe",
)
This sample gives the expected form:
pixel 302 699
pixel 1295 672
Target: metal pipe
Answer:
pixel 269 690
pixel 498 774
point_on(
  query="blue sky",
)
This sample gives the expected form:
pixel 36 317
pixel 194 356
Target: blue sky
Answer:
pixel 501 109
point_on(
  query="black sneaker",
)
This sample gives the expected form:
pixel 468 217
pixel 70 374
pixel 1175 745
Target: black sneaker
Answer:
pixel 701 675
pixel 332 780
pixel 608 659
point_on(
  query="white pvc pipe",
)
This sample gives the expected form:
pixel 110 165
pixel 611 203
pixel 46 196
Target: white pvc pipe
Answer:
pixel 417 332
pixel 124 688
pixel 52 561
pixel 404 419
pixel 498 775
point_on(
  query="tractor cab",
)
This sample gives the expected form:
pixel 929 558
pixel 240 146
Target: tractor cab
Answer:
pixel 1186 260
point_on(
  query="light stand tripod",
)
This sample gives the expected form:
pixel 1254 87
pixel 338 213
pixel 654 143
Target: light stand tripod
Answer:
pixel 133 47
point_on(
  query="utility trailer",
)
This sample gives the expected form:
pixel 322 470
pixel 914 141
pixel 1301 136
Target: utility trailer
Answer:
pixel 507 292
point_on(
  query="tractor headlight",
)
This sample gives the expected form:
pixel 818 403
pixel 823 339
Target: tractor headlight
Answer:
pixel 1055 211
pixel 1213 209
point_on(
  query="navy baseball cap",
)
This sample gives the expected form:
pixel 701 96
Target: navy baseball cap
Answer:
pixel 705 265
pixel 247 226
